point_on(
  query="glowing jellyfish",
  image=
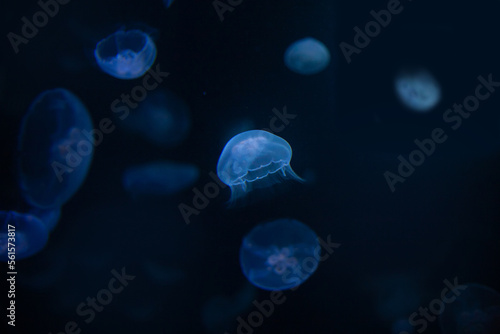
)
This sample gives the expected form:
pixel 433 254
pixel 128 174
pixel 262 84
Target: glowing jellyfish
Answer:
pixel 49 217
pixel 472 310
pixel 159 178
pixel 126 54
pixel 279 255
pixel 56 148
pixel 162 119
pixel 254 158
pixel 21 235
pixel 307 56
pixel 417 89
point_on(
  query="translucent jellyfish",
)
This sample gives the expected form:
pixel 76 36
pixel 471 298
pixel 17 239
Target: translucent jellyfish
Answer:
pixel 417 89
pixel 159 178
pixel 160 274
pixel 162 118
pixel 126 54
pixel 49 217
pixel 56 148
pixel 279 255
pixel 307 56
pixel 20 234
pixel 473 310
pixel 219 313
pixel 254 158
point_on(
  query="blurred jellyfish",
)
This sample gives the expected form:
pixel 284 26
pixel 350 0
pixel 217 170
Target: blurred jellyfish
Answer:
pixel 21 235
pixel 307 56
pixel 159 178
pixel 417 89
pixel 126 54
pixel 161 274
pixel 49 217
pixel 168 3
pixel 219 313
pixel 254 158
pixel 162 118
pixel 56 148
pixel 279 255
pixel 395 295
pixel 402 326
pixel 474 310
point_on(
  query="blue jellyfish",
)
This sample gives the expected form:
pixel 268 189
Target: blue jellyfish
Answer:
pixel 159 178
pixel 279 255
pixel 220 313
pixel 417 89
pixel 126 54
pixel 21 235
pixel 49 217
pixel 55 148
pixel 254 158
pixel 472 308
pixel 307 56
pixel 168 3
pixel 162 119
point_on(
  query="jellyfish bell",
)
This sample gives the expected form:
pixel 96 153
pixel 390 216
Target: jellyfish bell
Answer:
pixel 126 54
pixel 417 89
pixel 25 231
pixel 476 309
pixel 307 56
pixel 255 159
pixel 279 255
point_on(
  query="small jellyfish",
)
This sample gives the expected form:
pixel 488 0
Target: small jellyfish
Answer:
pixel 159 178
pixel 417 89
pixel 126 54
pixel 472 309
pixel 21 235
pixel 49 217
pixel 162 119
pixel 279 255
pixel 307 56
pixel 254 158
pixel 55 148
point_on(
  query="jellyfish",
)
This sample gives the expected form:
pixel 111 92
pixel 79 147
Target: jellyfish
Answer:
pixel 279 255
pixel 417 89
pixel 159 178
pixel 55 148
pixel 160 274
pixel 473 310
pixel 219 313
pixel 168 3
pixel 126 54
pixel 307 56
pixel 254 158
pixel 21 235
pixel 49 217
pixel 162 119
